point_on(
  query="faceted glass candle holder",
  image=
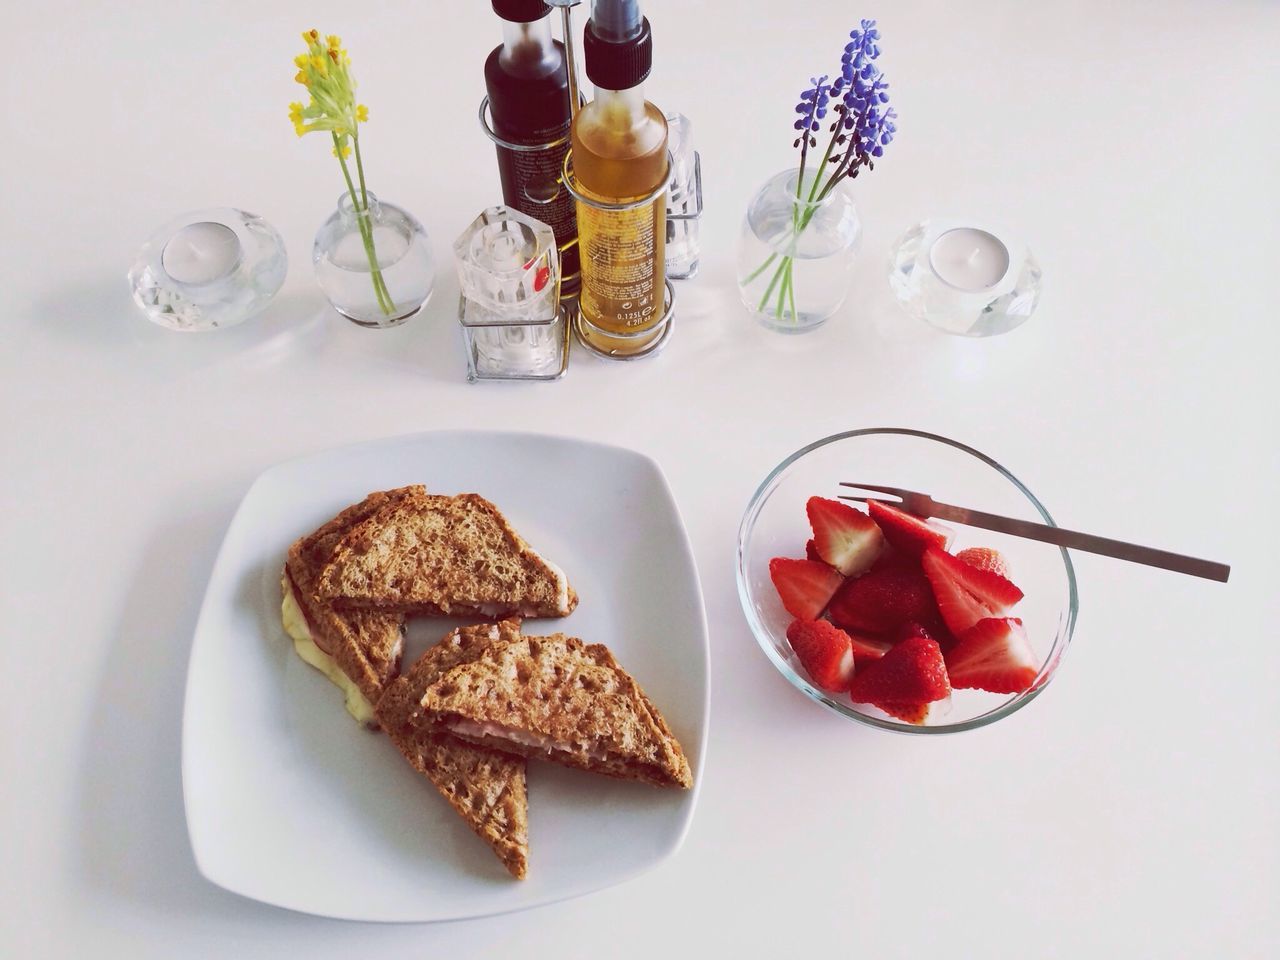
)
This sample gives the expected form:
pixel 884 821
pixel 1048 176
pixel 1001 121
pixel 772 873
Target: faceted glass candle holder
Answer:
pixel 513 325
pixel 402 252
pixel 964 279
pixel 208 269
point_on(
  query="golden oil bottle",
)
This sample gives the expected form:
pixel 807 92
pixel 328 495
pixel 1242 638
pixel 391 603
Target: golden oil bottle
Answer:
pixel 620 158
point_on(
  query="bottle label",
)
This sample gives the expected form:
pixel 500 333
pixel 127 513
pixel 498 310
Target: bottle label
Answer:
pixel 622 254
pixel 532 183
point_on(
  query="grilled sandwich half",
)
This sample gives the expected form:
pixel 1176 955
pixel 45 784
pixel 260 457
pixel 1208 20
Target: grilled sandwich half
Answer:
pixel 359 650
pixel 427 555
pixel 562 700
pixel 485 786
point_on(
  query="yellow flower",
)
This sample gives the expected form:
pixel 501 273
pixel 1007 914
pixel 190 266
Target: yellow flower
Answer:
pixel 335 41
pixel 310 36
pixel 300 77
pixel 362 114
pixel 295 113
pixel 346 151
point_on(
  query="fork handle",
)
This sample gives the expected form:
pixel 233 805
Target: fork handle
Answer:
pixel 1088 542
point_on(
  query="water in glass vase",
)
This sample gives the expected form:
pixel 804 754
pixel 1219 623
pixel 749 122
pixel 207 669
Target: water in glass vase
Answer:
pixel 402 254
pixel 796 251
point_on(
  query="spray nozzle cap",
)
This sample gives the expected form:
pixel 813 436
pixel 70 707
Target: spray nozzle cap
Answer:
pixel 521 11
pixel 616 21
pixel 618 44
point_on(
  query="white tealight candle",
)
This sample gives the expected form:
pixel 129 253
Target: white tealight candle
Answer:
pixel 969 259
pixel 201 253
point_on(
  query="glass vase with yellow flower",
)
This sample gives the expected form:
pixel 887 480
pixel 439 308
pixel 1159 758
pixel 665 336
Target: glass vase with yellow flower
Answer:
pixel 372 258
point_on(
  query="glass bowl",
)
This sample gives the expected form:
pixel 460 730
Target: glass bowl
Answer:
pixel 775 525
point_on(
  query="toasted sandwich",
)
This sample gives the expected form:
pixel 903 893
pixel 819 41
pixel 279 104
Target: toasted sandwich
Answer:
pixel 426 555
pixel 560 699
pixel 486 787
pixel 359 650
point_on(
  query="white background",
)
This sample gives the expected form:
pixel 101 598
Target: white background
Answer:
pixel 1129 811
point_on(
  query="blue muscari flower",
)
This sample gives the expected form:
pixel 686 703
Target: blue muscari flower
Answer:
pixel 812 107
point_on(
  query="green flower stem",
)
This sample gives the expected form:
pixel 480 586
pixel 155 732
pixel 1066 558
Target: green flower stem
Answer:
pixel 361 205
pixel 364 195
pixel 760 269
pixel 777 275
pixel 791 294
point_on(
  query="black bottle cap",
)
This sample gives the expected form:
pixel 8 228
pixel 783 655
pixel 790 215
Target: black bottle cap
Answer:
pixel 521 11
pixel 618 65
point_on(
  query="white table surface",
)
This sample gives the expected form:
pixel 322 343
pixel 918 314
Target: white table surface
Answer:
pixel 1129 811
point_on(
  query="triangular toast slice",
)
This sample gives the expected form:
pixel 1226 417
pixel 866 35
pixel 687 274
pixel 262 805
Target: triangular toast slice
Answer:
pixel 359 650
pixel 560 699
pixel 486 787
pixel 431 555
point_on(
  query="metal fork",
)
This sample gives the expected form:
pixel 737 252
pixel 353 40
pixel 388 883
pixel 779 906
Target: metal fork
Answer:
pixel 923 505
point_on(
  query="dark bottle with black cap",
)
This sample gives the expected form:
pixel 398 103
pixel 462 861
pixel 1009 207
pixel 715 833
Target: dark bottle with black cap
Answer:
pixel 620 156
pixel 528 85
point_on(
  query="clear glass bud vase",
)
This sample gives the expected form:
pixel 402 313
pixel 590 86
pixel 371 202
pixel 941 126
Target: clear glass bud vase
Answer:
pixel 796 251
pixel 349 245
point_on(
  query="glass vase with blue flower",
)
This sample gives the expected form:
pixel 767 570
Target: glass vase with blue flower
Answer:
pixel 801 231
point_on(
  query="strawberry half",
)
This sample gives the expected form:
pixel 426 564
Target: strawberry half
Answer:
pixel 806 587
pixel 966 594
pixel 993 655
pixel 910 675
pixel 868 649
pixel 846 538
pixel 910 712
pixel 985 558
pixel 908 533
pixel 881 601
pixel 825 652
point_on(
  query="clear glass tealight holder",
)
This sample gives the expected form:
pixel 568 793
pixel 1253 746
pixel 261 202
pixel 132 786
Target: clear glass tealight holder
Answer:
pixel 513 324
pixel 208 269
pixel 963 278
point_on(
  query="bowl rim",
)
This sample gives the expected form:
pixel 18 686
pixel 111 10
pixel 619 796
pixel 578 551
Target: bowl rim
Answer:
pixel 762 636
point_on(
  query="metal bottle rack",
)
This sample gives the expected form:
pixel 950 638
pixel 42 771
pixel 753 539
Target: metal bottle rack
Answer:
pixel 659 333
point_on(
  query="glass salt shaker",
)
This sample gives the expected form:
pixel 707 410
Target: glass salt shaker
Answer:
pixel 684 200
pixel 513 325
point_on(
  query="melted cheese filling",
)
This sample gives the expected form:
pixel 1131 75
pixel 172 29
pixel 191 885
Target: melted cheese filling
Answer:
pixel 295 625
pixel 562 583
pixel 489 731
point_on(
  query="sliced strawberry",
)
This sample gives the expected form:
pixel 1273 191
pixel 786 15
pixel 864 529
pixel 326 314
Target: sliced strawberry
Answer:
pixel 844 537
pixel 806 587
pixel 811 552
pixel 966 594
pixel 993 655
pixel 908 533
pixel 910 712
pixel 881 601
pixel 868 649
pixel 913 672
pixel 985 558
pixel 825 651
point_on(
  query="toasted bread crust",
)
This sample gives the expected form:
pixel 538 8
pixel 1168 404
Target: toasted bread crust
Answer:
pixel 560 699
pixel 365 644
pixel 486 787
pixel 427 555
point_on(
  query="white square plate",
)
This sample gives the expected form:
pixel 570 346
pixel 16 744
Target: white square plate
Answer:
pixel 290 802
